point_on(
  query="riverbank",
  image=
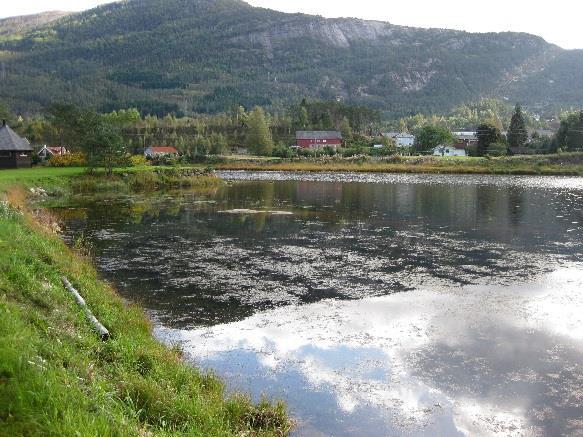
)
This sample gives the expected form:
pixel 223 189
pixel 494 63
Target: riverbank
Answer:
pixel 58 378
pixel 568 164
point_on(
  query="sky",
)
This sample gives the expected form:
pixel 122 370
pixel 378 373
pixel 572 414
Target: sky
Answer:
pixel 559 21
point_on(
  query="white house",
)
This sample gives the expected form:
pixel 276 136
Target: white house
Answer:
pixel 453 150
pixel 402 140
pixel 46 152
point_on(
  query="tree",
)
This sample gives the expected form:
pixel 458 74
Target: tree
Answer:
pixel 218 144
pixel 259 138
pixel 389 145
pixel 346 130
pixel 567 122
pixel 487 134
pixel 517 133
pixel 238 115
pixel 498 149
pixel 429 137
pixel 123 118
pixel 574 137
pixel 66 123
pixel 5 113
pixel 102 142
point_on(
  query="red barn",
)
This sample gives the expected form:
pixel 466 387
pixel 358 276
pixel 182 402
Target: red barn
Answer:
pixel 318 139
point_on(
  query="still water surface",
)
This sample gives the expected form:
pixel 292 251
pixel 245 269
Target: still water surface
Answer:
pixel 372 304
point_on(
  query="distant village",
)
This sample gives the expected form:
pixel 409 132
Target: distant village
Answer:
pixel 257 133
pixel 17 152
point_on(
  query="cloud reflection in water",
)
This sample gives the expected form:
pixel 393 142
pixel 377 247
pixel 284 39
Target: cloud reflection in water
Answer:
pixel 478 360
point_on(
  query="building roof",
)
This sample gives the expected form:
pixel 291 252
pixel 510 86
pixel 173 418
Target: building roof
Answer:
pixel 458 146
pixel 466 135
pixel 318 135
pixel 54 150
pixel 11 141
pixel 398 135
pixel 160 149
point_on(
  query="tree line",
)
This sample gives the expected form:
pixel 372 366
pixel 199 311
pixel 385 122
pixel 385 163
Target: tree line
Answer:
pixel 493 142
pixel 106 138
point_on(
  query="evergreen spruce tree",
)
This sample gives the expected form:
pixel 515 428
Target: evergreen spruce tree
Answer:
pixel 517 133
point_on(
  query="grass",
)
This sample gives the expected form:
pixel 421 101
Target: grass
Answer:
pixel 58 379
pixel 35 176
pixel 146 180
pixel 564 164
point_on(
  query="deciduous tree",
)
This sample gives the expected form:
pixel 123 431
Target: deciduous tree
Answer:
pixel 574 138
pixel 429 137
pixel 487 134
pixel 259 138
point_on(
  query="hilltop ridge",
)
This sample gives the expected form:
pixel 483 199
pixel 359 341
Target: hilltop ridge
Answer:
pixel 208 55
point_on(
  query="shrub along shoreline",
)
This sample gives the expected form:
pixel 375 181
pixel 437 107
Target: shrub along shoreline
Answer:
pixel 56 375
pixel 567 164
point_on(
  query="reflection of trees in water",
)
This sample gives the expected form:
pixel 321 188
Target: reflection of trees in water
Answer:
pixel 516 205
pixel 487 198
pixel 344 240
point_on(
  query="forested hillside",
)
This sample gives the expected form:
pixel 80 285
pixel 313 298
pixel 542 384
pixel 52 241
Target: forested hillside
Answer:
pixel 208 55
pixel 13 27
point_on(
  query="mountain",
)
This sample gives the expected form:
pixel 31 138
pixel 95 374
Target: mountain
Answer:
pixel 15 26
pixel 207 55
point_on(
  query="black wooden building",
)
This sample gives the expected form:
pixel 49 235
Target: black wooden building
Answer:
pixel 15 151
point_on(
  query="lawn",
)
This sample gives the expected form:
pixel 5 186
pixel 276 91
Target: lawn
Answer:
pixel 31 176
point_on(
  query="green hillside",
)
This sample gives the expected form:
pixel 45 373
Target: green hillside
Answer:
pixel 207 55
pixel 13 27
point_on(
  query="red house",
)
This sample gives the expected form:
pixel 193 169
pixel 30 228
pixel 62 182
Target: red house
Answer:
pixel 157 151
pixel 318 139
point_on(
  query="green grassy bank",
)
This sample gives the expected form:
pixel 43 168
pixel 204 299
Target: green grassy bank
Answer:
pixel 564 164
pixel 57 378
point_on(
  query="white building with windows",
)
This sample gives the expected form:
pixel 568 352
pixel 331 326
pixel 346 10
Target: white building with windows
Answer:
pixel 402 140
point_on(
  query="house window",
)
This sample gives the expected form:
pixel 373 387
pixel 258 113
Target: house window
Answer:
pixel 4 154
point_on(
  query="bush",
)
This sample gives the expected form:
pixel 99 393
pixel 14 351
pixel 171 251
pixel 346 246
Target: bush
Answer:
pixel 473 150
pixel 352 151
pixel 166 160
pixel 383 151
pixel 69 160
pixel 497 149
pixel 283 152
pixel 309 153
pixel 138 161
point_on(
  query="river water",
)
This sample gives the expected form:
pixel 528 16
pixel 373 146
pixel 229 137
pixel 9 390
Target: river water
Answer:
pixel 371 304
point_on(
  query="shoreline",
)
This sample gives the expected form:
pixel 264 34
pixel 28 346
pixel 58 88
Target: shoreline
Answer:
pixel 547 165
pixel 57 376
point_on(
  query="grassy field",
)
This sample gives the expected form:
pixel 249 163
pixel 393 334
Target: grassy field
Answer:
pixel 57 378
pixel 34 176
pixel 564 164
